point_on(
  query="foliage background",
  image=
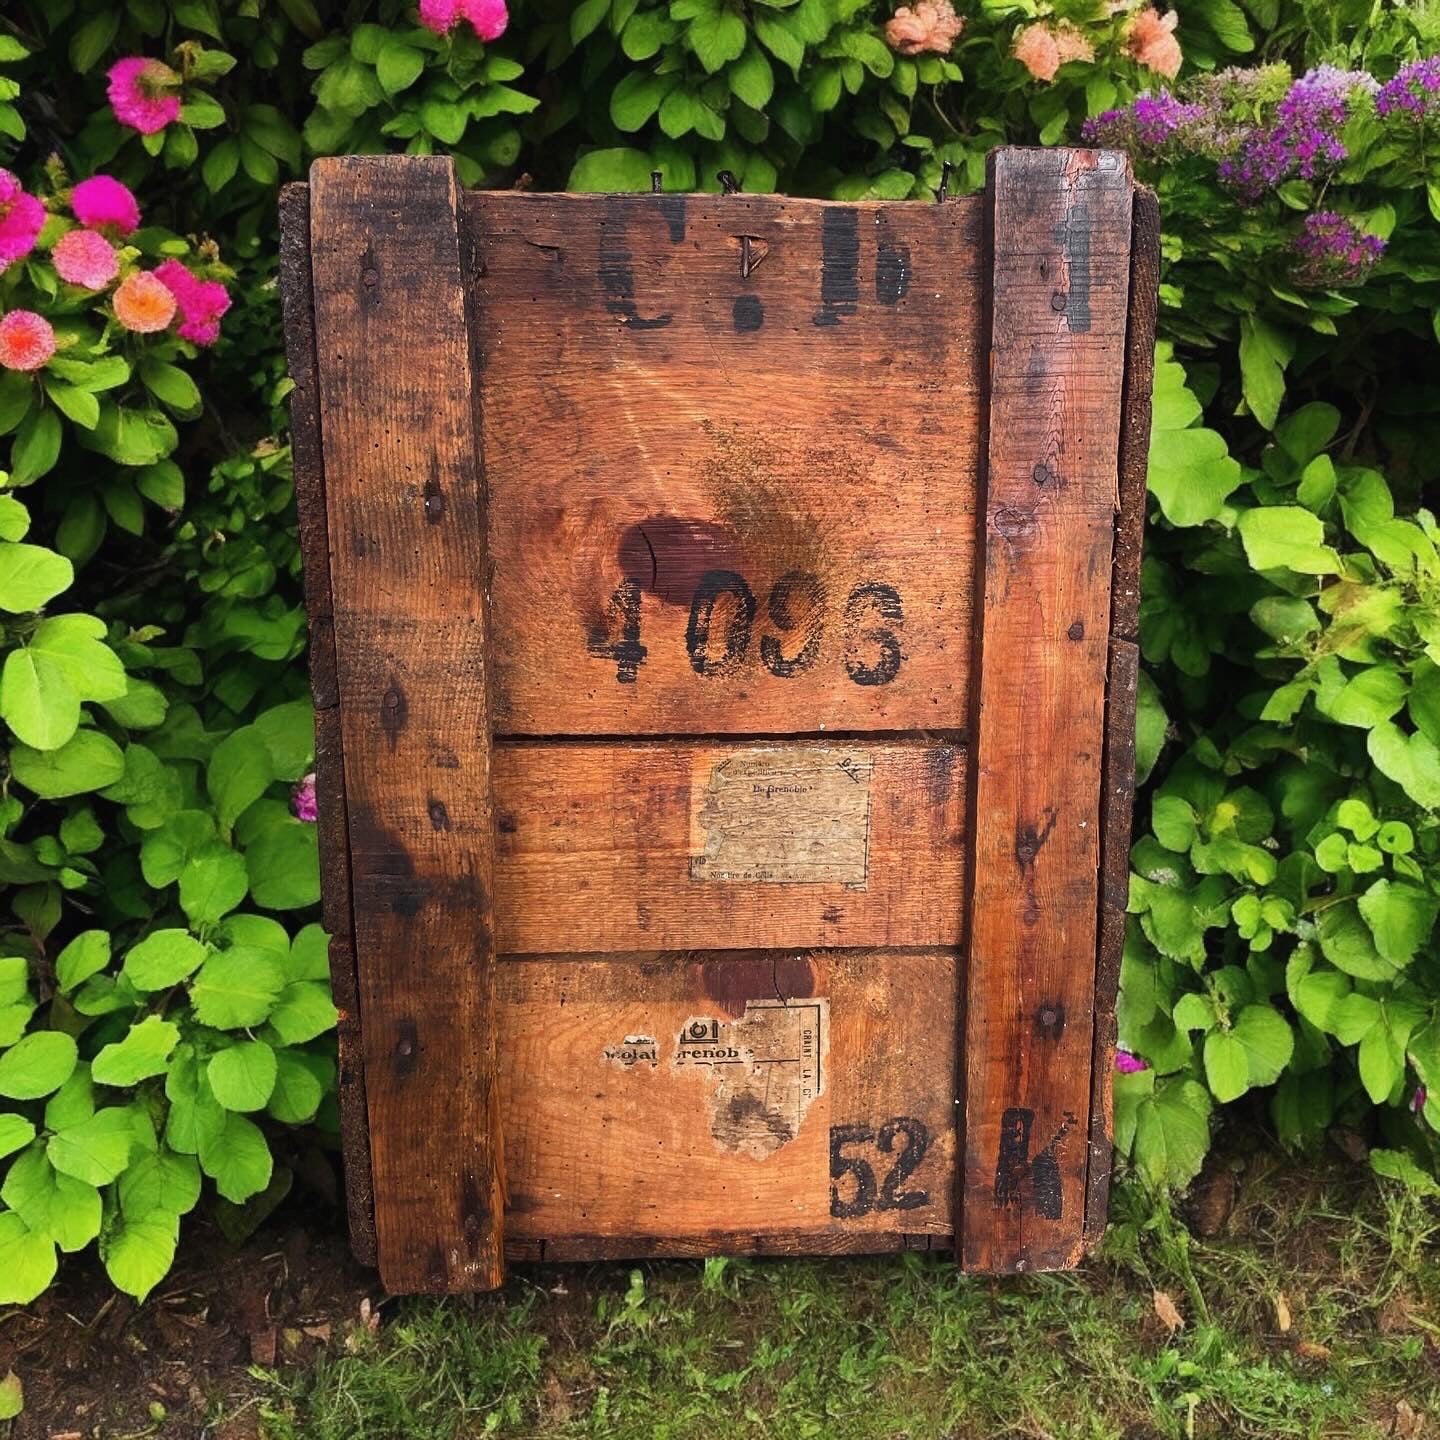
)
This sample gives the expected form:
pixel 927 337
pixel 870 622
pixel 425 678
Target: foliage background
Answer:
pixel 165 1013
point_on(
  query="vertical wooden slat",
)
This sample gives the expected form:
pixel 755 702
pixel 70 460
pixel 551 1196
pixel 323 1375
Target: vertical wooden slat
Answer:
pixel 405 502
pixel 332 832
pixel 1119 784
pixel 1060 224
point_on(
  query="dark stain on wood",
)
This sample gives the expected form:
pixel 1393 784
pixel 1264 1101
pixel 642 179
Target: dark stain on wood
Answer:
pixel 434 495
pixel 394 711
pixel 439 815
pixel 1050 1020
pixel 669 555
pixel 748 313
pixel 1076 630
pixel 892 272
pixel 672 211
pixel 407 1048
pixel 1073 232
pixel 617 281
pixel 740 978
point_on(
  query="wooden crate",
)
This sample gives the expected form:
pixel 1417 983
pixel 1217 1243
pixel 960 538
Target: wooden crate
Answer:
pixel 722 615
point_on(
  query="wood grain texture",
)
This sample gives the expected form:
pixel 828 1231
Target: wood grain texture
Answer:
pixel 405 507
pixel 619 1124
pixel 1060 243
pixel 574 1248
pixel 1121 693
pixel 598 847
pixel 331 827
pixel 726 503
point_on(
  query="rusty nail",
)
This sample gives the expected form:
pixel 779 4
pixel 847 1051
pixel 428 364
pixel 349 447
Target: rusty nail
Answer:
pixel 728 183
pixel 657 182
pixel 745 265
pixel 943 193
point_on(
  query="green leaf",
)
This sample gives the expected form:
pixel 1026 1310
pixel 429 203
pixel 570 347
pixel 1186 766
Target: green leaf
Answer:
pixel 196 1117
pixel 780 40
pixel 160 1180
pixel 95 1150
pixel 37 448
pixel 716 38
pixel 37 1065
pixel 73 1102
pixel 16 1132
pixel 1400 1165
pixel 218 168
pixel 239 773
pixel 612 170
pixel 171 386
pixel 1172 1132
pixel 164 958
pixel 87 761
pixel 238 1159
pixel 59 1206
pixel 1400 918
pixel 1227 1069
pixel 637 97
pixel 27 1261
pixel 242 1076
pixel 144 1051
pixel 37 701
pixel 1347 944
pixel 1368 697
pixel 283 864
pixel 309 955
pixel 298 1093
pixel 1267 1040
pixel 212 883
pixel 1264 354
pixel 1151 726
pixel 1287 537
pixel 398 65
pixel 14 519
pixel 646 32
pixel 303 1011
pixel 79 406
pixel 585 17
pixel 751 78
pixel 1191 472
pixel 12 1396
pixel 1411 761
pixel 31 576
pixel 138 1253
pixel 236 988
pixel 289 734
pixel 76 644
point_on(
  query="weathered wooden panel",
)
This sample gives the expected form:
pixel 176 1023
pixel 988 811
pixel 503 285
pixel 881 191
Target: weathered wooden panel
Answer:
pixel 670 845
pixel 729 503
pixel 1061 245
pixel 695 1096
pixel 403 490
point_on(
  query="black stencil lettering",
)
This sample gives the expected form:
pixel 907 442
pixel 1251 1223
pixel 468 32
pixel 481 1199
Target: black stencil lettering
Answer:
pixel 627 652
pixel 869 1196
pixel 885 601
pixel 713 584
pixel 841 1165
pixel 917 1142
pixel 797 602
pixel 1014 1166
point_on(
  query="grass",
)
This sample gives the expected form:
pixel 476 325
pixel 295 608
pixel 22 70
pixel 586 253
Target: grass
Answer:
pixel 905 1348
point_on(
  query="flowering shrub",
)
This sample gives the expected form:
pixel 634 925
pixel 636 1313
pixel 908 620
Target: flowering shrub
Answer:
pixel 165 1032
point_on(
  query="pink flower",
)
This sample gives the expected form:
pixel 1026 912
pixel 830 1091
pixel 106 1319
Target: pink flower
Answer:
pixel 489 17
pixel 1152 42
pixel 103 203
pixel 21 219
pixel 1071 44
pixel 302 799
pixel 143 303
pixel 142 94
pixel 1417 1100
pixel 1036 50
pixel 26 340
pixel 439 15
pixel 932 25
pixel 84 258
pixel 1128 1064
pixel 201 302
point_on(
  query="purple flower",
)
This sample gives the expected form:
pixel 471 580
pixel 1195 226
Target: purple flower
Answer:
pixel 1414 92
pixel 1333 251
pixel 1417 1100
pixel 1148 125
pixel 302 799
pixel 1128 1064
pixel 1305 137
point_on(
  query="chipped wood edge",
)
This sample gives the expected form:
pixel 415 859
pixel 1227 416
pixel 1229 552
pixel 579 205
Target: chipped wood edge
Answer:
pixel 589 1248
pixel 332 830
pixel 1121 689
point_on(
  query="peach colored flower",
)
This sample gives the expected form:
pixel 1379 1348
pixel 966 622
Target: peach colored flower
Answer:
pixel 1152 42
pixel 932 25
pixel 1071 43
pixel 26 340
pixel 84 258
pixel 143 303
pixel 1036 50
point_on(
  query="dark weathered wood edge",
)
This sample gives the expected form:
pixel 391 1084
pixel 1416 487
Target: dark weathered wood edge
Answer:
pixel 1118 799
pixel 332 830
pixel 579 1248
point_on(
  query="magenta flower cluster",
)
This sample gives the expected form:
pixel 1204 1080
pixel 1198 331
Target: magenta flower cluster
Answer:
pixel 1414 92
pixel 1148 125
pixel 1333 251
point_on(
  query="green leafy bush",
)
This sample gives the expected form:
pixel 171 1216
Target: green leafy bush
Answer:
pixel 166 1017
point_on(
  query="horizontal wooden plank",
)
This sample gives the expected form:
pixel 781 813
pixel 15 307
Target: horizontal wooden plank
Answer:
pixel 716 1100
pixel 670 845
pixel 726 503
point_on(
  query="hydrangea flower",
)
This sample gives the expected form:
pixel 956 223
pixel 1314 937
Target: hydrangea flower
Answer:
pixel 201 302
pixel 302 799
pixel 143 303
pixel 1152 43
pixel 84 258
pixel 103 203
pixel 1036 50
pixel 1333 251
pixel 21 218
pixel 931 26
pixel 26 340
pixel 488 18
pixel 1414 92
pixel 143 94
pixel 1128 1064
